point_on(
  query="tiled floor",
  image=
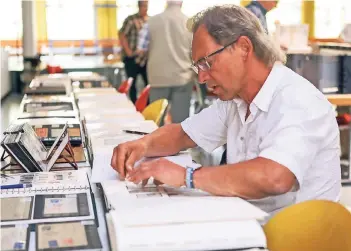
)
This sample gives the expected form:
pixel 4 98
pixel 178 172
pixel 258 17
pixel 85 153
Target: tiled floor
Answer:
pixel 10 110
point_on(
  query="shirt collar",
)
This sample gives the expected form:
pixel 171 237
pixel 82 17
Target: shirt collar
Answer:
pixel 259 5
pixel 265 95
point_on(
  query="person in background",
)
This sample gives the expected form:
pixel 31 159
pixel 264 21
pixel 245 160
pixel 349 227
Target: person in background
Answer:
pixel 281 132
pixel 260 8
pixel 167 41
pixel 135 63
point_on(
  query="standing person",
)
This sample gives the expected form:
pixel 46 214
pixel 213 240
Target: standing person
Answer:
pixel 260 8
pixel 167 41
pixel 135 63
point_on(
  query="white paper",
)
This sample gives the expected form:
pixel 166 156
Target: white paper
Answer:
pixel 66 205
pixel 179 210
pixel 204 236
pixel 113 118
pixel 143 126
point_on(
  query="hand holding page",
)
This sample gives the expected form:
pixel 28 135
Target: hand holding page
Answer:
pixel 102 170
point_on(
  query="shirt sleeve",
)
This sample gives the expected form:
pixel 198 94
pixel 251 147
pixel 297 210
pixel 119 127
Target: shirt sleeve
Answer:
pixel 296 137
pixel 208 128
pixel 127 26
pixel 144 38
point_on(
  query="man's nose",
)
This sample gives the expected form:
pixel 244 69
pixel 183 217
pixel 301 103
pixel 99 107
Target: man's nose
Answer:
pixel 203 76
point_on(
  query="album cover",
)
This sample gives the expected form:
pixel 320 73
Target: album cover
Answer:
pixel 61 205
pixel 79 235
pixel 14 237
pixel 16 208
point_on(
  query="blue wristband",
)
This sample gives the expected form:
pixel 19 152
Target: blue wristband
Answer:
pixel 189 176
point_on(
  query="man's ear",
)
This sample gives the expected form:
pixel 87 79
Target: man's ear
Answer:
pixel 245 46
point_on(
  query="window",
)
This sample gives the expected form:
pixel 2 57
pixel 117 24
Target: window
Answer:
pixel 126 8
pixel 11 20
pixel 70 19
pixel 286 12
pixel 330 18
pixel 190 7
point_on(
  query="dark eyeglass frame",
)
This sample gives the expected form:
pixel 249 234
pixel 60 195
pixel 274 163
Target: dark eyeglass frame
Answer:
pixel 206 66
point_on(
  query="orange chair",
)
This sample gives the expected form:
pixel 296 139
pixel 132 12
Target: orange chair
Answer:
pixel 141 102
pixel 54 69
pixel 125 86
pixel 315 225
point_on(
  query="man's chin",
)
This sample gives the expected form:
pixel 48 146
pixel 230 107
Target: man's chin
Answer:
pixel 225 97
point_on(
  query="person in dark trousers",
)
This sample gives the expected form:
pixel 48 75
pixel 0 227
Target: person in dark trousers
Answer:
pixel 135 63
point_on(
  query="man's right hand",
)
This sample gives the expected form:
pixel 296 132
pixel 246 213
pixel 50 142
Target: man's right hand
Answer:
pixel 125 155
pixel 129 53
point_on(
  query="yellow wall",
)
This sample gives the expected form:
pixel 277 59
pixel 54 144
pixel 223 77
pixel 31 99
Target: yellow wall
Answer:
pixel 307 15
pixel 106 15
pixel 244 2
pixel 40 12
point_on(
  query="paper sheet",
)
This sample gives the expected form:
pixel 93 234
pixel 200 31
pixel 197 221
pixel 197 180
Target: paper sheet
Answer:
pixel 61 235
pixel 13 238
pixel 58 206
pixel 189 210
pixel 202 236
pixel 15 208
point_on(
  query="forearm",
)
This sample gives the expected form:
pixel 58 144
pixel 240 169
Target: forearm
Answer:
pixel 167 140
pixel 253 179
pixel 124 43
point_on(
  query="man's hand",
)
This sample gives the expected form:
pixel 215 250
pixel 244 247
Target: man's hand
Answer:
pixel 162 170
pixel 125 155
pixel 129 53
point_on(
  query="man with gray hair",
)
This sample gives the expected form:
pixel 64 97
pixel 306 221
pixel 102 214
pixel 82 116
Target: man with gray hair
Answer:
pixel 281 132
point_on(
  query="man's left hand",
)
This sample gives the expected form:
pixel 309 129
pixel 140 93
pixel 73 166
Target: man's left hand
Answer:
pixel 162 170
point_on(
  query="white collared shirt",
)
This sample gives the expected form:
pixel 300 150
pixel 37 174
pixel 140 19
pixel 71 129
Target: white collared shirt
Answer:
pixel 291 123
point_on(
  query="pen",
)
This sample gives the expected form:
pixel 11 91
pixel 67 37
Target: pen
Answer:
pixel 135 132
pixel 13 186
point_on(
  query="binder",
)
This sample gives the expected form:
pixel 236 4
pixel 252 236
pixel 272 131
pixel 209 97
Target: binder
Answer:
pixel 46 197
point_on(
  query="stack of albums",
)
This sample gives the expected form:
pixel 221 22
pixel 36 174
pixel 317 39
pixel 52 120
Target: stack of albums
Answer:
pixel 59 207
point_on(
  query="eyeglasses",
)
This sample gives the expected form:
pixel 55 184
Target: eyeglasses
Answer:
pixel 203 65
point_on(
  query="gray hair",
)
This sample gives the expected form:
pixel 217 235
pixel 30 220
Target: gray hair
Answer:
pixel 227 23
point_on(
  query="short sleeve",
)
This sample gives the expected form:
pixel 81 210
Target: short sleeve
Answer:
pixel 295 137
pixel 208 128
pixel 127 26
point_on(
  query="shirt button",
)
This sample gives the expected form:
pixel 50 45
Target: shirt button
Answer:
pixel 241 138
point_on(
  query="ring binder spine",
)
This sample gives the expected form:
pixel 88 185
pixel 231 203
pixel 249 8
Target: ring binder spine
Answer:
pixel 53 189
